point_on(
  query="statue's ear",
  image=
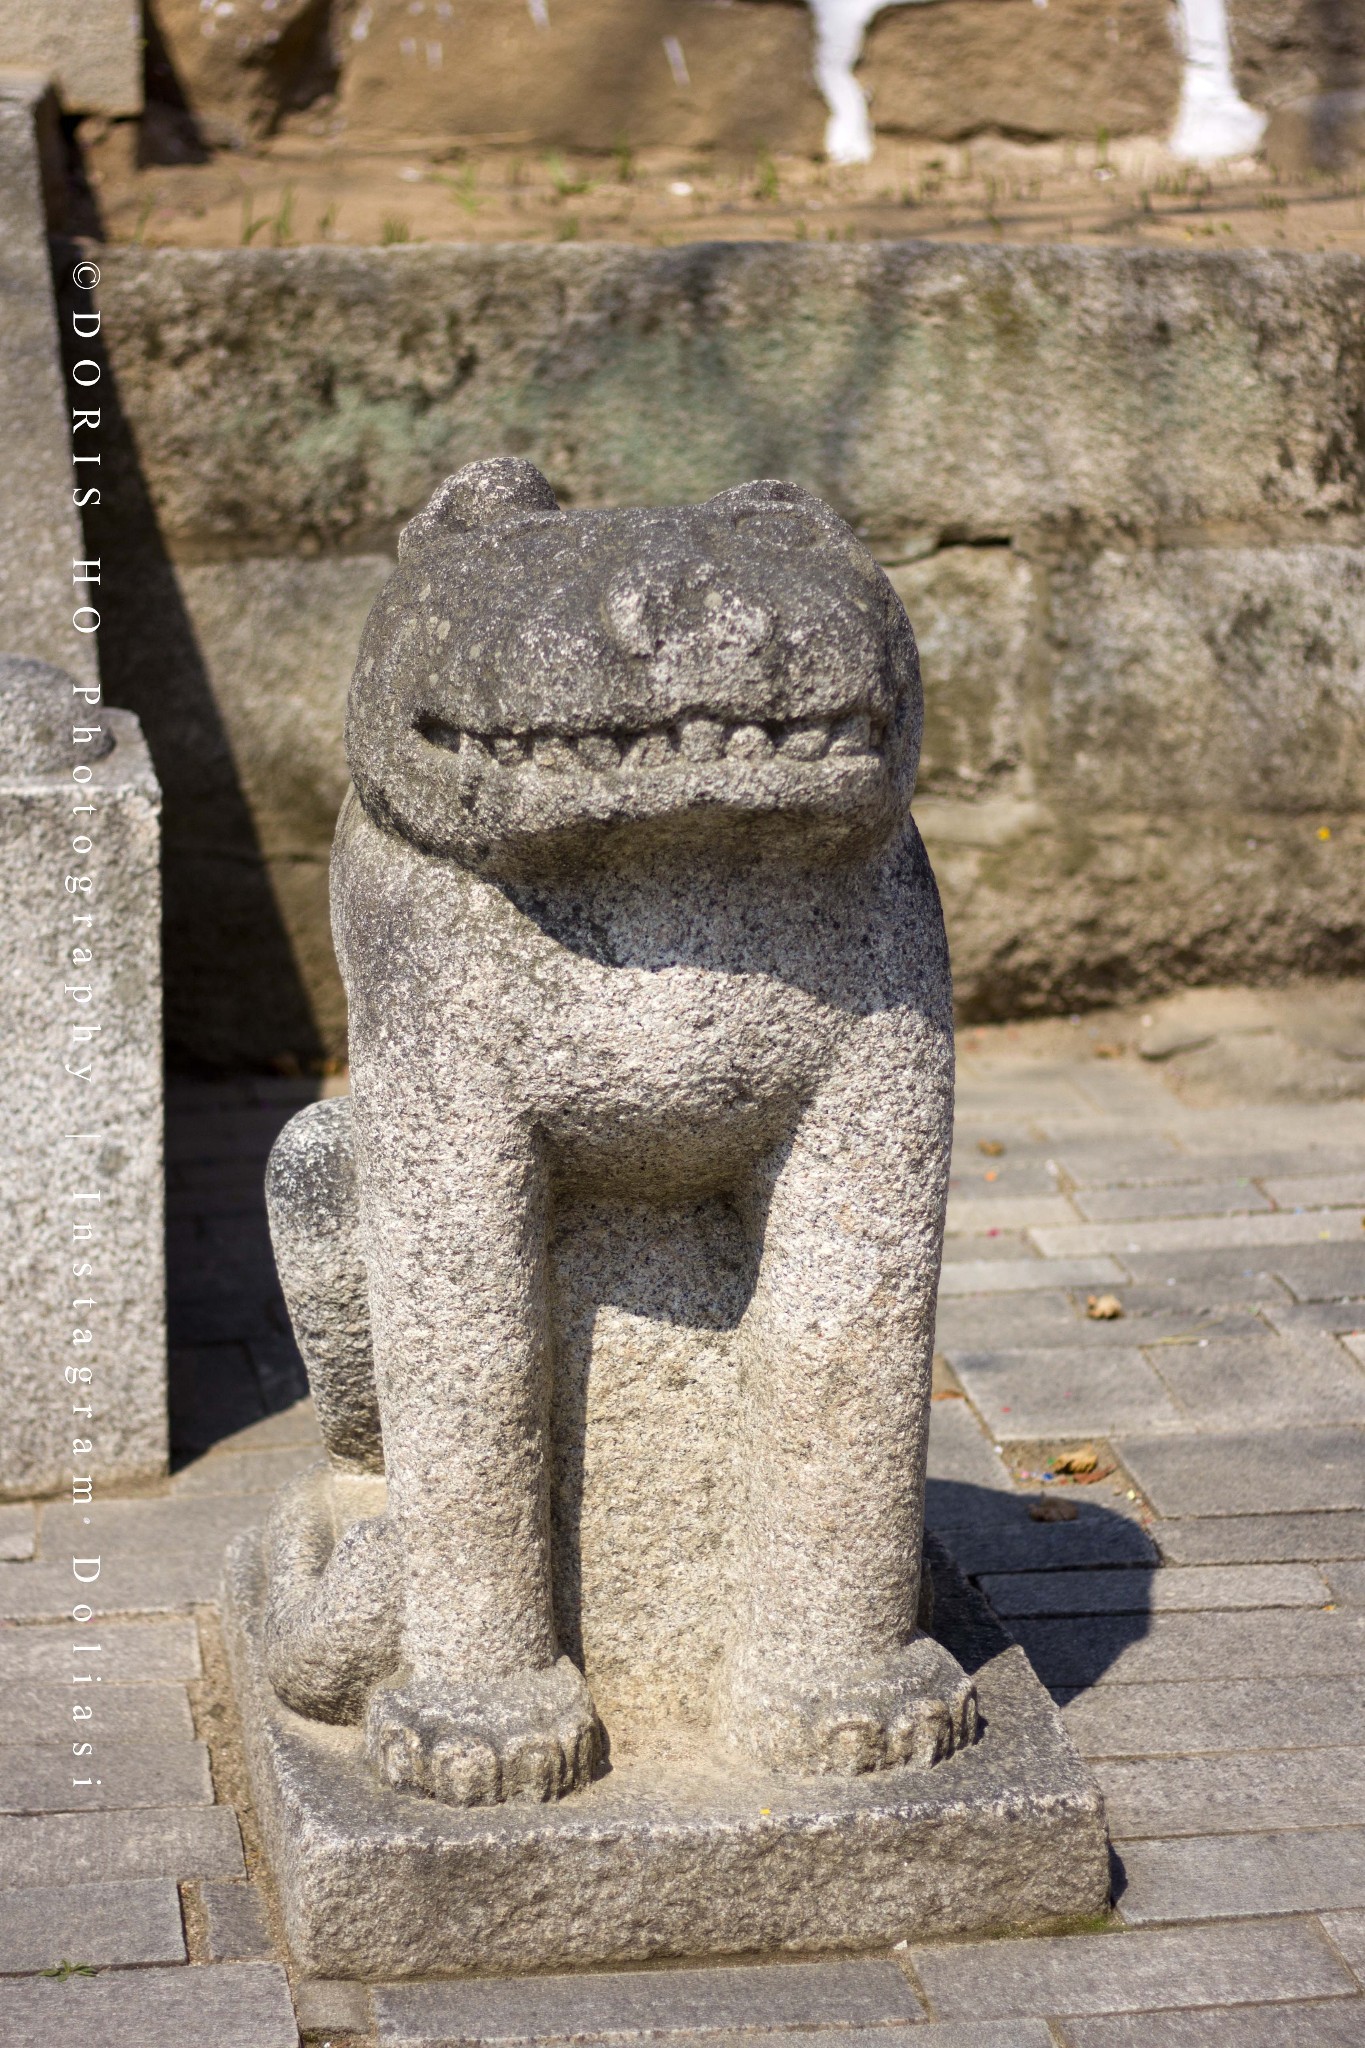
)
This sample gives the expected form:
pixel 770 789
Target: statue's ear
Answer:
pixel 480 494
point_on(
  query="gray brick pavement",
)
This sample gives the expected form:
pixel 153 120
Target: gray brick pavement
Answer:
pixel 1263 2026
pixel 1206 1877
pixel 127 1774
pixel 1240 1964
pixel 658 2003
pixel 1185 1718
pixel 136 1922
pixel 222 2005
pixel 104 1848
pixel 1213 1667
pixel 1287 1471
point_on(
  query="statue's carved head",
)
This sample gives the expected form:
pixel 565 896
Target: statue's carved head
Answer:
pixel 536 685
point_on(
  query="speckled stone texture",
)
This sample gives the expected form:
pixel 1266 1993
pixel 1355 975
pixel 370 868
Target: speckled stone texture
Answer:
pixel 63 1134
pixel 620 1262
pixel 671 1853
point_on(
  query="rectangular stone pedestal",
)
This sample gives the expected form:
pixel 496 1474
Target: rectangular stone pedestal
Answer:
pixel 692 1853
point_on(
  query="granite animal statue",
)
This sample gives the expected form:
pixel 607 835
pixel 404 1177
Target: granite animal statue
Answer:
pixel 627 900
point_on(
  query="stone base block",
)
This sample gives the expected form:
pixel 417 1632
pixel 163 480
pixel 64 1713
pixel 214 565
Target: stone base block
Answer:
pixel 683 1851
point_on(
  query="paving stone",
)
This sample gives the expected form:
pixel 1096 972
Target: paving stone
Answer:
pixel 1340 2024
pixel 1018 1276
pixel 1355 1344
pixel 1188 1198
pixel 1346 1931
pixel 41 1714
pixel 1046 1322
pixel 91 1923
pixel 1211 1877
pixel 1120 1972
pixel 232 2005
pixel 959 1449
pixel 1347 1583
pixel 1217 1279
pixel 291 1426
pixel 238 1472
pixel 1016 1543
pixel 1260 1383
pixel 1335 1318
pixel 1012 2033
pixel 1302 1128
pixel 137 1528
pixel 1326 1272
pixel 18 1527
pixel 1138 1649
pixel 128 1650
pixel 1262 1539
pixel 971 1213
pixel 1023 1169
pixel 132 1584
pixel 1319 1191
pixel 1180 1719
pixel 1065 1393
pixel 1155 1592
pixel 99 1848
pixel 654 2002
pixel 1197 1233
pixel 125 1773
pixel 1288 1471
pixel 1234 1794
pixel 329 2004
pixel 1134 1160
pixel 235 1924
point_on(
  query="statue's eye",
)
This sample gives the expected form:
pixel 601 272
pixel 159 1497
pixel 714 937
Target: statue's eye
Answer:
pixel 778 526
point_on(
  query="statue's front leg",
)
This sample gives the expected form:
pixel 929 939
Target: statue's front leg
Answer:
pixel 453 1225
pixel 829 1672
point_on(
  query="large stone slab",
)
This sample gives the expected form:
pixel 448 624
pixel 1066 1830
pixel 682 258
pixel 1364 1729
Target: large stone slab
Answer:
pixel 1187 398
pixel 81 1246
pixel 90 49
pixel 680 1853
pixel 40 534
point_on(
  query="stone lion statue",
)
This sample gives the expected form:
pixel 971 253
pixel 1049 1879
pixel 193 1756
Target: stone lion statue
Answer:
pixel 615 1275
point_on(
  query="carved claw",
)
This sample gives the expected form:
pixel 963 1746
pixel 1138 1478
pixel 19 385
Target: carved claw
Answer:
pixel 535 1737
pixel 908 1711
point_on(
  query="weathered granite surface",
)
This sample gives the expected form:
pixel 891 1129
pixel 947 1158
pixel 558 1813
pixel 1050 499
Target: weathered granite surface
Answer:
pixel 619 1262
pixel 1036 443
pixel 39 529
pixel 632 920
pixel 81 1088
pixel 670 1854
pixel 90 49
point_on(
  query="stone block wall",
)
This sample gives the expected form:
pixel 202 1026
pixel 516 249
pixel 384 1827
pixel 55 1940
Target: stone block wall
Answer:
pixel 1120 492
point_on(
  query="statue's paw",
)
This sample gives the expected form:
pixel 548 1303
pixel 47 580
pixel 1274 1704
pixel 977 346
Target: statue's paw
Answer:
pixel 534 1736
pixel 909 1710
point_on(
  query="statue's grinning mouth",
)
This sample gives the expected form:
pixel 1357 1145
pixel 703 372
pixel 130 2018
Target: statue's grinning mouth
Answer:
pixel 683 741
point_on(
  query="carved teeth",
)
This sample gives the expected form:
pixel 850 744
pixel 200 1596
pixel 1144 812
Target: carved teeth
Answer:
pixel 701 739
pixel 747 743
pixel 552 750
pixel 599 750
pixel 650 749
pixel 693 739
pixel 852 735
pixel 804 742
